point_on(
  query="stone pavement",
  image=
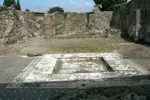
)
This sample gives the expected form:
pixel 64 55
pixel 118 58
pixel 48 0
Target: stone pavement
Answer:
pixel 110 68
pixel 11 66
pixel 68 76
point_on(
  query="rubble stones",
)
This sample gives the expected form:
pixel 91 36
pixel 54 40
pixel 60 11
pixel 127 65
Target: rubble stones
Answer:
pixel 14 27
pixel 17 25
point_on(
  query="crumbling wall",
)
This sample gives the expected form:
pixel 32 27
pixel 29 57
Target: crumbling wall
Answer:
pixel 9 25
pixel 77 23
pixel 47 26
pixel 102 20
pixel 58 21
pixel 34 24
pixel 67 23
pixel 17 26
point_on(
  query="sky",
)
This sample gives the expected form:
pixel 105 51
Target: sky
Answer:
pixel 67 5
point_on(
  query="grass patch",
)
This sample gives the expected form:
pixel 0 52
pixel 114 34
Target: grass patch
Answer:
pixel 118 39
pixel 84 48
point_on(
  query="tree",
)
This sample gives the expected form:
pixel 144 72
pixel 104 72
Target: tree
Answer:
pixel 18 7
pixel 8 3
pixel 98 1
pixel 27 10
pixel 55 9
pixel 108 4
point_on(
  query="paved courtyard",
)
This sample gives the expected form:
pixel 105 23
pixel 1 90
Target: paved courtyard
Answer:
pixel 53 75
pixel 100 67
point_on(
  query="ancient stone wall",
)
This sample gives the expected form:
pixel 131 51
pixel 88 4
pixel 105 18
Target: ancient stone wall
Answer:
pixel 34 24
pixel 102 21
pixel 16 25
pixel 9 25
pixel 66 23
pixel 102 18
pixel 48 25
pixel 133 18
pixel 77 23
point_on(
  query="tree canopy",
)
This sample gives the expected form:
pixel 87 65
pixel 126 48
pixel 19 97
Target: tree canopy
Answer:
pixel 55 9
pixel 108 4
pixel 18 7
pixel 27 10
pixel 9 3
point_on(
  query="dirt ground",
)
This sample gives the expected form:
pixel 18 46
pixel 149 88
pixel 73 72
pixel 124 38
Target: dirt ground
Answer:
pixel 44 46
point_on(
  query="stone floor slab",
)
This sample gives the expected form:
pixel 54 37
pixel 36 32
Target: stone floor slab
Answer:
pixel 82 66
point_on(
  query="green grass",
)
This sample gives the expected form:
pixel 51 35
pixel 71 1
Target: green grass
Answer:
pixel 83 48
pixel 100 45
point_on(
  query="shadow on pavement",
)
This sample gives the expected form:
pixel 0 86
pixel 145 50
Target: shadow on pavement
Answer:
pixel 63 91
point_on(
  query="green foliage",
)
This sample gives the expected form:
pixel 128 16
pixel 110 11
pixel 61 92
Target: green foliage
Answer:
pixel 55 9
pixel 18 7
pixel 8 3
pixel 98 1
pixel 27 10
pixel 108 4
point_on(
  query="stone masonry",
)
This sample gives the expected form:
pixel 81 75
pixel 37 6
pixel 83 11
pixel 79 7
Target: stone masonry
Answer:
pixel 133 18
pixel 108 69
pixel 17 26
pixel 78 24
